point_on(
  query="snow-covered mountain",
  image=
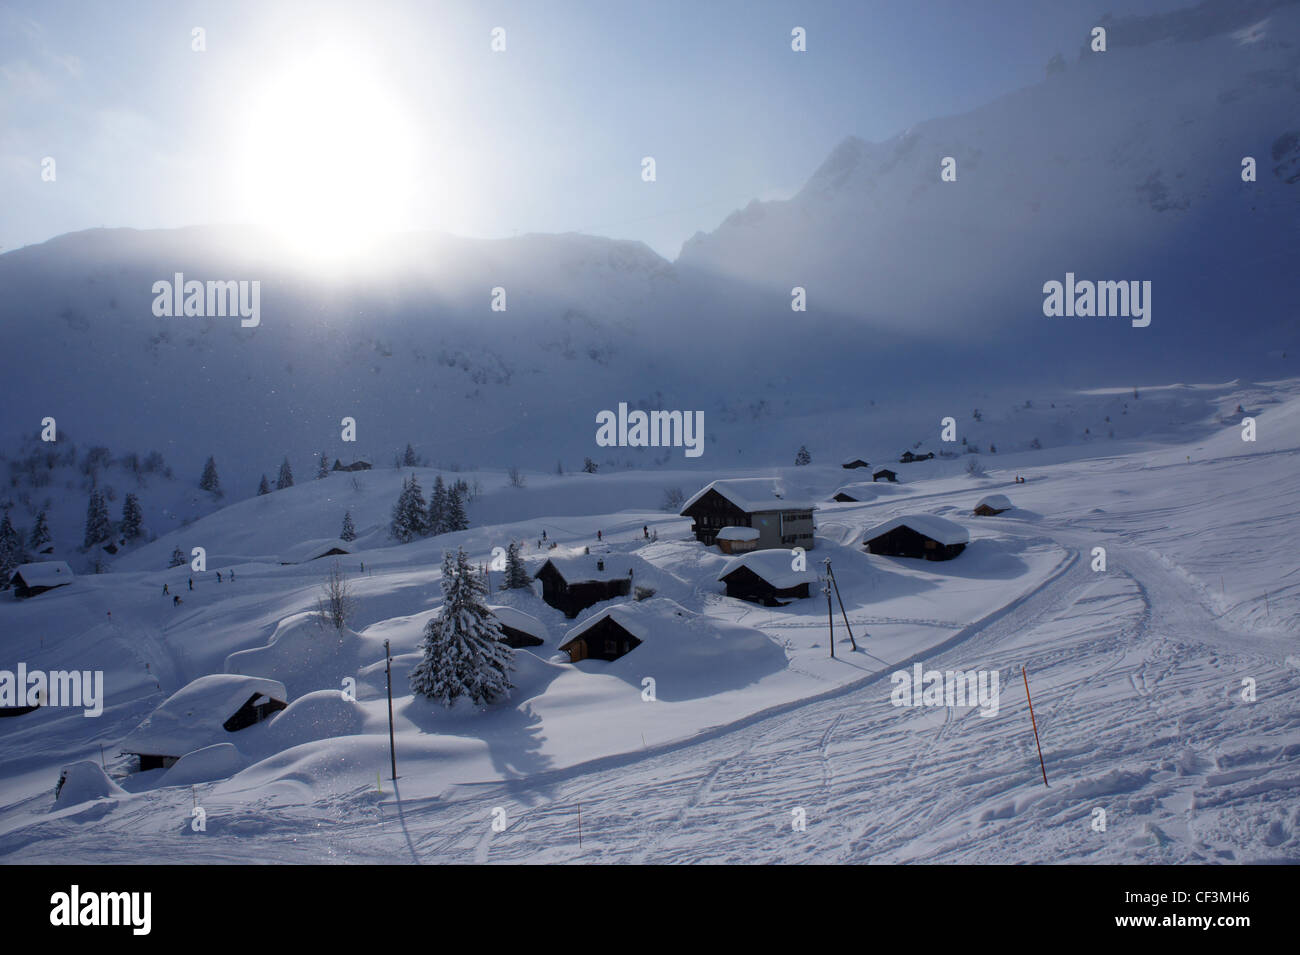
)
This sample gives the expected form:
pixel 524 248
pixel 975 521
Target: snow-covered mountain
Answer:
pixel 922 294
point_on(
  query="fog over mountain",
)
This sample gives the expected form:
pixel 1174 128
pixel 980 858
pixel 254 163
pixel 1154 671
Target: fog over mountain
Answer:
pixel 1121 166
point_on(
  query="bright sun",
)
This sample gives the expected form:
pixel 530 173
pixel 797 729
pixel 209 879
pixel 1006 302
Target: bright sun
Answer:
pixel 327 156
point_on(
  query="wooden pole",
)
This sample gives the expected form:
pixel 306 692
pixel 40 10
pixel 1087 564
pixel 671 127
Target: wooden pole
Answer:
pixel 835 583
pixel 1034 723
pixel 579 825
pixel 830 617
pixel 388 673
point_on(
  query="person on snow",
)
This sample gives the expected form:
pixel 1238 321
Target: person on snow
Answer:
pixel 165 590
pixel 218 576
pixel 598 537
pixel 191 583
pixel 645 530
pixel 176 600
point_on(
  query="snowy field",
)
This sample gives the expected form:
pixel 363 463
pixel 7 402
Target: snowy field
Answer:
pixel 1136 674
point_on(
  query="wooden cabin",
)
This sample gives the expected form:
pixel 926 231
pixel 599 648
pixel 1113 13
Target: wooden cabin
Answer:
pixel 354 466
pixel 765 577
pixel 201 714
pixel 32 579
pixel 519 629
pixel 606 636
pixel 854 463
pixel 315 550
pixel 884 474
pixel 918 536
pixel 572 584
pixel 993 504
pixel 908 457
pixel 751 502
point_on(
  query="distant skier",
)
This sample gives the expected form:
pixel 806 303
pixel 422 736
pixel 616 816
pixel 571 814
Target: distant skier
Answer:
pixel 191 583
pixel 598 537
pixel 363 566
pixel 543 535
pixel 218 576
pixel 645 531
pixel 232 575
pixel 176 600
pixel 165 590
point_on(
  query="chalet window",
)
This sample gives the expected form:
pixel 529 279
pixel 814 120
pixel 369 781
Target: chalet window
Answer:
pixel 611 646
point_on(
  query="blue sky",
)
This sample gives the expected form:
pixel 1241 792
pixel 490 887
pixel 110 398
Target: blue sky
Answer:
pixel 399 115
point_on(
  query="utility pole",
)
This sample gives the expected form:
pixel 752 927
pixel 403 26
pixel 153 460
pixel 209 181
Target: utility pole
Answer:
pixel 388 673
pixel 830 615
pixel 834 583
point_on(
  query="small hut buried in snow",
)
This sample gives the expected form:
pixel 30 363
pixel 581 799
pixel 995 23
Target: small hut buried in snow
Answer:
pixel 315 549
pixel 853 463
pixel 202 713
pixel 918 535
pixel 572 584
pixel 993 504
pixel 519 629
pixel 766 577
pixel 620 629
pixel 737 540
pixel 32 579
pixel 884 474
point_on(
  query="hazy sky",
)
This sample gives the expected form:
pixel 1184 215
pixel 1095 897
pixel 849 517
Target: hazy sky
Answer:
pixel 399 115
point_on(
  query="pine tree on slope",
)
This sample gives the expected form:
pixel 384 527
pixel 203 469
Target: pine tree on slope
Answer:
pixel 132 517
pixel 286 475
pixel 323 470
pixel 210 481
pixel 464 652
pixel 40 534
pixel 437 519
pixel 409 460
pixel 178 558
pixel 516 576
pixel 349 533
pixel 98 528
pixel 264 487
pixel 457 520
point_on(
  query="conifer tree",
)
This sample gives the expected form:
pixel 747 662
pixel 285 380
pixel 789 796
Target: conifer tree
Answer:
pixel 323 470
pixel 803 457
pixel 349 533
pixel 132 517
pixel 465 654
pixel 178 558
pixel 98 527
pixel 286 475
pixel 209 481
pixel 409 460
pixel 457 520
pixel 40 534
pixel 516 576
pixel 264 487
pixel 437 519
pixel 11 557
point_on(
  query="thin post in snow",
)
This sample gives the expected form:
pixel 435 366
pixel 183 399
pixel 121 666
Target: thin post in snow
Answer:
pixel 830 617
pixel 1034 723
pixel 579 825
pixel 388 673
pixel 844 613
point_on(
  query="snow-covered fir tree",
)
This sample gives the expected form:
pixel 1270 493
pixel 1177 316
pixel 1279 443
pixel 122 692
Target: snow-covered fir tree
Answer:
pixel 803 457
pixel 40 535
pixel 590 466
pixel 178 558
pixel 286 475
pixel 465 654
pixel 11 549
pixel 264 487
pixel 437 517
pixel 457 519
pixel 409 460
pixel 409 517
pixel 324 469
pixel 516 576
pixel 209 481
pixel 132 517
pixel 349 533
pixel 98 527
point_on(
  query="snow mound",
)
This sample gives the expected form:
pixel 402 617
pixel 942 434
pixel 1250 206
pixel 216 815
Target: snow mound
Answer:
pixel 218 761
pixel 303 655
pixel 322 714
pixel 84 781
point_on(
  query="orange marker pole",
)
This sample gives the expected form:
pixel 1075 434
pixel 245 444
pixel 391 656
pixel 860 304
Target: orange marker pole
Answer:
pixel 1034 723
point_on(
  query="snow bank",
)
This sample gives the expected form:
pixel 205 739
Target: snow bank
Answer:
pixel 83 781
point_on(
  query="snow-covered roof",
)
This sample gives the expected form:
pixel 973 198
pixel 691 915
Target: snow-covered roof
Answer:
pixel 737 534
pixel 521 621
pixel 751 495
pixel 582 568
pixel 50 573
pixel 641 618
pixel 192 717
pixel 772 565
pixel 936 528
pixel 851 460
pixel 998 502
pixel 310 550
